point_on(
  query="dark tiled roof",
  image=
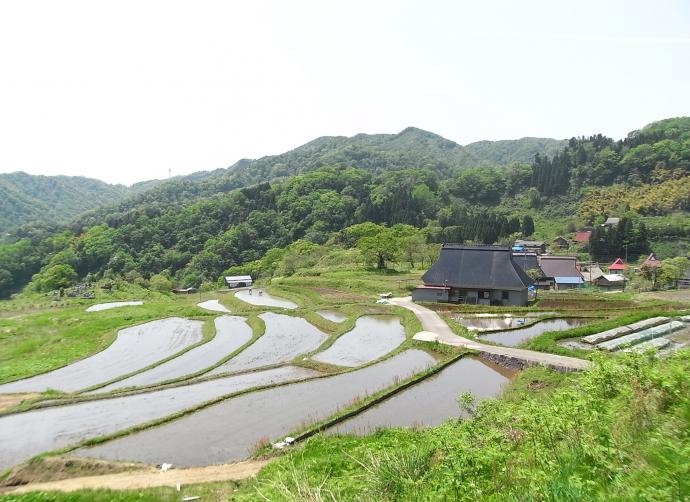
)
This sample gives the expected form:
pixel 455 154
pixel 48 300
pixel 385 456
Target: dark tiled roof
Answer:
pixel 559 266
pixel 476 267
pixel 526 261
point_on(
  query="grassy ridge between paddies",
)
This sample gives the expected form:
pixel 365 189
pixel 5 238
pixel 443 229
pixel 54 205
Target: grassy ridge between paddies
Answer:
pixel 620 431
pixel 36 343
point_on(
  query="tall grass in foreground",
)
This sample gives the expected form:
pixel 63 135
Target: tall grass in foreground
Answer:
pixel 620 431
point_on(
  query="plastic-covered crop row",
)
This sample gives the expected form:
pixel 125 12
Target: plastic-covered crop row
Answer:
pixel 644 335
pixel 655 344
pixel 624 330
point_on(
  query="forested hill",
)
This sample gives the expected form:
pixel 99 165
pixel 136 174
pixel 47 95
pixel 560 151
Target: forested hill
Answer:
pixel 374 153
pixel 505 152
pixel 25 198
pixel 192 229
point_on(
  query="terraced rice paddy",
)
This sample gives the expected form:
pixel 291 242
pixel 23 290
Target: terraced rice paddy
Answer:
pixel 285 338
pixel 213 306
pixel 230 430
pixel 515 337
pixel 332 315
pixel 432 401
pixel 112 305
pixel 264 299
pixel 133 349
pixel 231 333
pixel 371 338
pixel 23 435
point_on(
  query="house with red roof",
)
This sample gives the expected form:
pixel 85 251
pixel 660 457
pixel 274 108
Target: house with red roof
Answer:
pixel 582 235
pixel 617 265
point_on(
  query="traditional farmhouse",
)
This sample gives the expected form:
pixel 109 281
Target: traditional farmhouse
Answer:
pixel 611 281
pixel 238 281
pixel 560 272
pixel 651 262
pixel 561 242
pixel 485 275
pixel 537 247
pixel 617 266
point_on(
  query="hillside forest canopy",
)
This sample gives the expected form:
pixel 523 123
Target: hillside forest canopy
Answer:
pixel 193 230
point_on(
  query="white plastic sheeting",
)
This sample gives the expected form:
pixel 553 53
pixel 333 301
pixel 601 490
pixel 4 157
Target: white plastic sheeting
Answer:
pixel 624 330
pixel 654 344
pixel 642 336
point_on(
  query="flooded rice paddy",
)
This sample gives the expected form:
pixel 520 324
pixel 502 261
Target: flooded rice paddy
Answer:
pixel 112 305
pixel 231 333
pixel 133 349
pixel 285 338
pixel 213 306
pixel 264 299
pixel 432 401
pixel 371 338
pixel 332 315
pixel 231 430
pixel 24 435
pixel 515 337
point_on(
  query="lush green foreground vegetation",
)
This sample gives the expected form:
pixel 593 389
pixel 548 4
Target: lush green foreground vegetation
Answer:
pixel 618 432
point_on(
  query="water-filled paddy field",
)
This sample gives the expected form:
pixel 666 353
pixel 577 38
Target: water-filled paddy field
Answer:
pixel 371 338
pixel 23 435
pixel 285 338
pixel 432 401
pixel 264 299
pixel 231 333
pixel 514 337
pixel 230 430
pixel 133 349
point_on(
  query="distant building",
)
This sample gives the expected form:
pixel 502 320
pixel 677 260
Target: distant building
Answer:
pixel 611 222
pixel 538 247
pixel 184 291
pixel 561 242
pixel 583 235
pixel 560 272
pixel 651 261
pixel 485 275
pixel 617 266
pixel 611 281
pixel 590 273
pixel 238 281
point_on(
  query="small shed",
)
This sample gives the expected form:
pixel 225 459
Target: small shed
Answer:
pixel 611 281
pixel 238 281
pixel 184 291
pixel 617 266
pixel 537 247
pixel 561 242
pixel 561 271
pixel 590 273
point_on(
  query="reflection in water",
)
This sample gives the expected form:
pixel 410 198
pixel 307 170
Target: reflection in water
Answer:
pixel 517 336
pixel 432 401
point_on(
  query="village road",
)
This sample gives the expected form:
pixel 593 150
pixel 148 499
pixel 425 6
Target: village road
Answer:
pixel 432 322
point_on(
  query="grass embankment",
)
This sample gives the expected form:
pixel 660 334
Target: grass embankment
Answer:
pixel 547 342
pixel 620 431
pixel 39 342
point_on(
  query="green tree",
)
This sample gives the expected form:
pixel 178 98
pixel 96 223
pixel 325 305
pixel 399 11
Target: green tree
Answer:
pixel 55 277
pixel 380 248
pixel 160 283
pixel 527 225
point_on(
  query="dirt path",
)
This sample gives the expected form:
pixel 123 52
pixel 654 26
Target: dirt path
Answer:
pixel 8 401
pixel 150 478
pixel 432 322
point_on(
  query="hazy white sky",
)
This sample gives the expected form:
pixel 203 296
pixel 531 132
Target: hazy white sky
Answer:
pixel 125 90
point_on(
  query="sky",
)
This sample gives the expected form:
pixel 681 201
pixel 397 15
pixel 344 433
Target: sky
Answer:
pixel 133 90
